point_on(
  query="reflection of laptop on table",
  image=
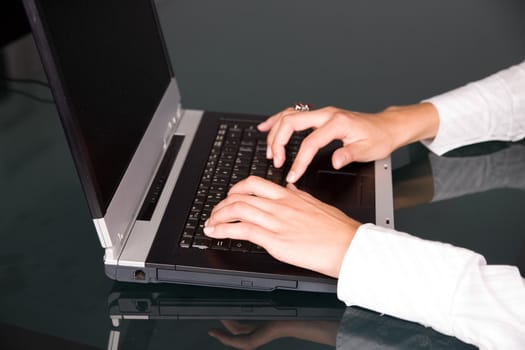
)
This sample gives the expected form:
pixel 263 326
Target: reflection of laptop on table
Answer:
pixel 152 171
pixel 194 302
pixel 181 316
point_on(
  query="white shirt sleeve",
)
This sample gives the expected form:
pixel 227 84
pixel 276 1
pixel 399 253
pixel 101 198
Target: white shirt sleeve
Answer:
pixel 489 109
pixel 447 288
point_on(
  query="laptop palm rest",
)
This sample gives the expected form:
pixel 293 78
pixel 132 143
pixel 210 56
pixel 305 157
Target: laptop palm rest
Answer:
pixel 350 189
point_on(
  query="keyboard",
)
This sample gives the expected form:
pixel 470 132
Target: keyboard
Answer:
pixel 239 150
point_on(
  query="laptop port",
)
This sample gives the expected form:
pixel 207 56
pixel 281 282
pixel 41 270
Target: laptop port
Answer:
pixel 139 275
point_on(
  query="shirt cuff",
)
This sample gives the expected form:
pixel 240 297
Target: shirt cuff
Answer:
pixel 486 110
pixel 403 276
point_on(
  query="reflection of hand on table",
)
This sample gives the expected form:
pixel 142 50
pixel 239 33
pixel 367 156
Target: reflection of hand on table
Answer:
pixel 251 335
pixel 413 185
pixel 437 178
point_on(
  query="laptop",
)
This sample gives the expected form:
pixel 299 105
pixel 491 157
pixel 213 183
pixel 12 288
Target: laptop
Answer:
pixel 152 171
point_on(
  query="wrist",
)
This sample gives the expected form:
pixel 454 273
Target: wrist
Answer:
pixel 408 124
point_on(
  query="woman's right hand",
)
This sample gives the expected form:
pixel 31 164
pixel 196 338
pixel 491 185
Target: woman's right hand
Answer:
pixel 365 137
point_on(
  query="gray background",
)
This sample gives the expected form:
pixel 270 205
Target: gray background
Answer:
pixel 261 56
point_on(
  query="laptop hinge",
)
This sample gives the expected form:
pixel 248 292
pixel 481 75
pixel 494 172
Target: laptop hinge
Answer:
pixel 103 232
pixel 171 127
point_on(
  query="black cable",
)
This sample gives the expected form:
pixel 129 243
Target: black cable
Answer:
pixel 25 81
pixel 28 95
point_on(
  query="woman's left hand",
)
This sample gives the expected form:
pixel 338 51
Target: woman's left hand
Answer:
pixel 290 224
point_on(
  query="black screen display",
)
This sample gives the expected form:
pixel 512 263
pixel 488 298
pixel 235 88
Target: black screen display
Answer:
pixel 112 64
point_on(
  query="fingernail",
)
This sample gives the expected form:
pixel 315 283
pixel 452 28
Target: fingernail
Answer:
pixel 268 153
pixel 206 222
pixel 339 161
pixel 292 176
pixel 276 160
pixel 261 125
pixel 208 230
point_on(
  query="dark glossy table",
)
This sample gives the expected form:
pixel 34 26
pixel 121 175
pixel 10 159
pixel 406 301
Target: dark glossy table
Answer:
pixel 258 58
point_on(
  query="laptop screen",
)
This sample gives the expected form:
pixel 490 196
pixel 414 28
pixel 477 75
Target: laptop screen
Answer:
pixel 113 68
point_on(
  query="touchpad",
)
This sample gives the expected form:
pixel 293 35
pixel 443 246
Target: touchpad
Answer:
pixel 351 189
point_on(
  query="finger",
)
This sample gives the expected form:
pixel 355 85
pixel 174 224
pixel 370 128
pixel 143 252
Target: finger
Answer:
pixel 244 231
pixel 319 138
pixel 259 187
pixel 268 205
pixel 236 327
pixel 275 127
pixel 270 122
pixel 269 125
pixel 244 212
pixel 343 156
pixel 289 124
pixel 283 115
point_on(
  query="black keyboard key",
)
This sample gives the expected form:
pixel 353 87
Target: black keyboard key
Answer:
pixel 188 233
pixel 220 244
pixel 236 178
pixel 214 196
pixel 204 215
pixel 191 224
pixel 200 227
pixel 199 200
pixel 207 208
pixel 217 188
pixel 235 132
pixel 229 149
pixel 227 156
pixel 194 215
pixel 224 163
pixel 231 142
pixel 196 207
pixel 259 173
pixel 223 172
pixel 240 246
pixel 248 143
pixel 239 150
pixel 185 242
pixel 220 180
pixel 201 242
